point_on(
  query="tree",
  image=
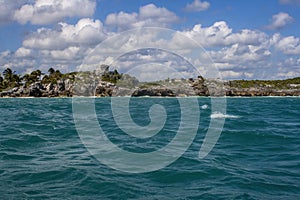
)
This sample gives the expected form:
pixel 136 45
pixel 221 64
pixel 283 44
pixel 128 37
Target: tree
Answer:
pixel 53 76
pixel 36 75
pixel 1 82
pixel 51 71
pixel 58 73
pixel 33 77
pixel 111 76
pixel 16 80
pixel 115 72
pixel 10 78
pixel 46 79
pixel 26 78
pixel 7 73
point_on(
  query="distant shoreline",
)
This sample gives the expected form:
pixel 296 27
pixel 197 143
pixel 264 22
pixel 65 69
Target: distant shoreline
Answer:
pixel 105 83
pixel 154 97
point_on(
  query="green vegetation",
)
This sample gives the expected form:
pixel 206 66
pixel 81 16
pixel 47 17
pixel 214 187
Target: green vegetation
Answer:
pixel 52 77
pixel 112 77
pixel 149 85
pixel 9 79
pixel 276 84
pixel 128 81
pixel 32 77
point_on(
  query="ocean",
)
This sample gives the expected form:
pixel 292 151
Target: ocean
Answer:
pixel 257 155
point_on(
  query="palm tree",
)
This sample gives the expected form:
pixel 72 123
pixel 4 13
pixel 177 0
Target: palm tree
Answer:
pixel 1 82
pixel 8 74
pixel 51 71
pixel 58 73
pixel 16 80
pixel 36 75
pixel 26 79
pixel 46 79
pixel 33 77
pixel 10 78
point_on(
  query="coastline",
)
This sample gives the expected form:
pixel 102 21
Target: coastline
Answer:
pixel 154 97
pixel 110 83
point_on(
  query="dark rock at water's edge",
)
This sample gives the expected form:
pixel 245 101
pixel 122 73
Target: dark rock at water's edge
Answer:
pixel 163 92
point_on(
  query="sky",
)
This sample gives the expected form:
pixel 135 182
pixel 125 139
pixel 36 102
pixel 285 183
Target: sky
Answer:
pixel 244 39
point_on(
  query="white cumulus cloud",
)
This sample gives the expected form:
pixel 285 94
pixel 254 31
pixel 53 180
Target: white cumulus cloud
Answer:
pixel 17 61
pixel 220 34
pixel 289 45
pixel 86 32
pixel 23 52
pixel 280 20
pixel 7 9
pixel 148 15
pixel 240 54
pixel 67 54
pixel 197 5
pixel 51 11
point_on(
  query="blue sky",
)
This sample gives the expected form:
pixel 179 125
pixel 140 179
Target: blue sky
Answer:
pixel 245 39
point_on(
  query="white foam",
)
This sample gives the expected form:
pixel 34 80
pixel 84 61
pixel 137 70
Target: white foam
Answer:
pixel 216 115
pixel 204 107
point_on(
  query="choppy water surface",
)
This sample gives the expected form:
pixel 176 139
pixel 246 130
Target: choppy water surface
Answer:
pixel 256 157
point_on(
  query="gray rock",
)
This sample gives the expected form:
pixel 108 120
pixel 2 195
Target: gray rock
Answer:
pixel 35 92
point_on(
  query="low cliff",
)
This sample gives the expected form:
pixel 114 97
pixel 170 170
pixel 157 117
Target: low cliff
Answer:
pixel 181 88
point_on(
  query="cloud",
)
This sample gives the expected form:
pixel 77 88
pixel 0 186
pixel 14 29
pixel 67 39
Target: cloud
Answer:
pixel 237 53
pixel 68 54
pixel 289 68
pixel 219 34
pixel 16 61
pixel 148 15
pixel 7 9
pixel 240 61
pixel 240 55
pixel 69 44
pixel 290 2
pixel 23 52
pixel 289 45
pixel 229 74
pixel 63 47
pixel 197 6
pixel 280 20
pixel 247 53
pixel 86 32
pixel 26 60
pixel 51 11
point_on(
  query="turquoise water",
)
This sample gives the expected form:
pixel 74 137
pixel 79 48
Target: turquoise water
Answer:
pixel 256 157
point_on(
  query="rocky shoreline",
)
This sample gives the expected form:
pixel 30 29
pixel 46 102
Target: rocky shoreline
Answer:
pixel 181 88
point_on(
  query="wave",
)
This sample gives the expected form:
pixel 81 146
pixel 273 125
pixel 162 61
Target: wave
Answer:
pixel 217 115
pixel 204 107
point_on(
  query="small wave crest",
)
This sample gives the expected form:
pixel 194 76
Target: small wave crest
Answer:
pixel 216 115
pixel 204 107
